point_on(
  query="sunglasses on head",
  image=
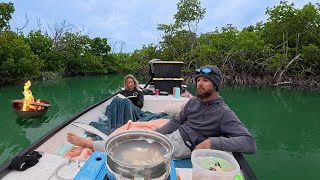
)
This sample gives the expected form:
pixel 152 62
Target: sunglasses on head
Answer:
pixel 205 71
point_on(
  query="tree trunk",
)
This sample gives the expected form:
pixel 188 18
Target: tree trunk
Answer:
pixel 285 68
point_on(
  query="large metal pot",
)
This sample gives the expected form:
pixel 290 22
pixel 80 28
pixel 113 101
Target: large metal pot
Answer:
pixel 117 145
pixel 119 158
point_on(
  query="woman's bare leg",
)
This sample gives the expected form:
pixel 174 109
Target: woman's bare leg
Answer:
pixel 79 141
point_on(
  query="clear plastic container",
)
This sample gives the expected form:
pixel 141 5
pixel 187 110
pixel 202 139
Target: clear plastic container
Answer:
pixel 214 164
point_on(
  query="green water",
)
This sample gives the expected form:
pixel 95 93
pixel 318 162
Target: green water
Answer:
pixel 286 126
pixel 284 122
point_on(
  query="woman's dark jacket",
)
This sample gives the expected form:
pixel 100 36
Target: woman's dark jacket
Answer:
pixel 136 97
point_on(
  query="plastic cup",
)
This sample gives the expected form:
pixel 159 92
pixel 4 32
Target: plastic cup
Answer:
pixel 177 92
pixel 174 91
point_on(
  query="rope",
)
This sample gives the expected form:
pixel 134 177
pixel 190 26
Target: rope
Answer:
pixel 68 163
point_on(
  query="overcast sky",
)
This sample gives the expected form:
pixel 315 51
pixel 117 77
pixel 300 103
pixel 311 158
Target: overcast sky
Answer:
pixel 134 22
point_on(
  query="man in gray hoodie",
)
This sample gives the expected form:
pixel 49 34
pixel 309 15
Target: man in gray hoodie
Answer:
pixel 206 122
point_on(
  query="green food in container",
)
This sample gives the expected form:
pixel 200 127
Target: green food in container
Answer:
pixel 210 162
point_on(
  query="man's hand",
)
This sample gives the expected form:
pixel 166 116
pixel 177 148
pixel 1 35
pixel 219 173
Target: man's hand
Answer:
pixel 206 144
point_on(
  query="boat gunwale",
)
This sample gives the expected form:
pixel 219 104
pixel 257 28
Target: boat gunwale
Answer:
pixel 244 166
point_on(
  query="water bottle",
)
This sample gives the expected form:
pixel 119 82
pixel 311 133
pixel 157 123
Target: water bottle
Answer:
pixel 177 92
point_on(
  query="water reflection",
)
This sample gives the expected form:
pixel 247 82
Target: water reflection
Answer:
pixel 32 122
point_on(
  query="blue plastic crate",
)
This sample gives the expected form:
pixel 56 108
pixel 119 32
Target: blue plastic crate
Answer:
pixel 95 168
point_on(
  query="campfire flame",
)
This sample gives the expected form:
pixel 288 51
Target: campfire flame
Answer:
pixel 29 99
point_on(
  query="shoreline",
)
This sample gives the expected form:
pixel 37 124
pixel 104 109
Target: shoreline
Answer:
pixel 312 83
pixel 306 83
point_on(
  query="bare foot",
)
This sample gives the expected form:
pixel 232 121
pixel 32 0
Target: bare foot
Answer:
pixel 77 152
pixel 86 153
pixel 74 151
pixel 77 140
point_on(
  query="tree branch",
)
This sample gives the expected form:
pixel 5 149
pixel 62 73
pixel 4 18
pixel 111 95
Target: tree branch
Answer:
pixel 286 67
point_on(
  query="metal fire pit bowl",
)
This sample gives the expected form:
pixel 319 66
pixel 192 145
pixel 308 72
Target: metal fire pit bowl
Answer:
pixel 17 106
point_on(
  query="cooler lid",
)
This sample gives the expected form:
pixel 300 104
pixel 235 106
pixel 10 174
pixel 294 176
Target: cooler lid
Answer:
pixel 166 79
pixel 166 62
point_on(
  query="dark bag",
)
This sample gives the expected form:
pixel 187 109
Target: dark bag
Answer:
pixel 21 163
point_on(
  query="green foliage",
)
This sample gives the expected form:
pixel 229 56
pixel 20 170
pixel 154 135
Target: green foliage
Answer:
pixel 169 29
pixel 169 43
pixel 54 61
pixel 265 48
pixel 91 64
pixel 74 45
pixel 39 43
pixel 177 42
pixel 83 55
pixel 175 46
pixel 275 62
pixel 311 58
pixel 16 59
pixel 74 54
pixel 223 41
pixel 6 11
pixel 279 26
pixel 111 63
pixel 292 31
pixel 294 27
pixel 249 42
pixel 309 24
pixel 87 64
pixel 122 63
pixel 99 46
pixel 189 11
pixel 250 46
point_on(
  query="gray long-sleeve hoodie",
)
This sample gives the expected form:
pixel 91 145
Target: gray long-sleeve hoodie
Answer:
pixel 200 120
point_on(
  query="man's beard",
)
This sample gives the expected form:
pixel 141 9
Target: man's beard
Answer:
pixel 204 94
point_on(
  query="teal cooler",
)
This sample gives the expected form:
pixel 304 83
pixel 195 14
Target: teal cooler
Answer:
pixel 167 84
pixel 167 69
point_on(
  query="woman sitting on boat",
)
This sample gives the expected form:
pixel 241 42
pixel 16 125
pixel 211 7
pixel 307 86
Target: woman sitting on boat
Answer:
pixel 126 106
pixel 132 91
